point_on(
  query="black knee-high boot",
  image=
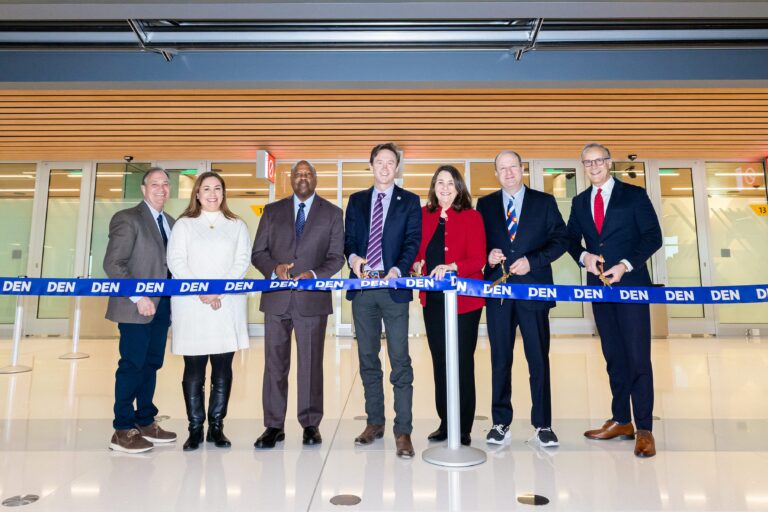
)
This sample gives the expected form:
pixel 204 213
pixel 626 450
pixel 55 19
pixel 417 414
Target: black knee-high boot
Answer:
pixel 217 410
pixel 194 399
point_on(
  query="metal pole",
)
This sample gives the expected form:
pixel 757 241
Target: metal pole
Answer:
pixel 17 327
pixel 453 454
pixel 75 334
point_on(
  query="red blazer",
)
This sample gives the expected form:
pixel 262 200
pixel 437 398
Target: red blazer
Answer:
pixel 464 245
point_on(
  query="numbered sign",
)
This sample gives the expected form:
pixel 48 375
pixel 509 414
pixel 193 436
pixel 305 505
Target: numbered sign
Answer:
pixel 761 210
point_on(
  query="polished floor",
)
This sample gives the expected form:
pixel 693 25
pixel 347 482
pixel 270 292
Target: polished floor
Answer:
pixel 711 432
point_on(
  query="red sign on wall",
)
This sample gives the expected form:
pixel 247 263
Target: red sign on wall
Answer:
pixel 265 165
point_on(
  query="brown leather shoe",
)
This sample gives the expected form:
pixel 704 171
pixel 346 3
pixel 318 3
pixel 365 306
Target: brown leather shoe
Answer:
pixel 370 434
pixel 154 434
pixel 404 446
pixel 645 446
pixel 129 441
pixel 611 430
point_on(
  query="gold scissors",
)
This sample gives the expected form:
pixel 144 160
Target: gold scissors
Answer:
pixel 602 277
pixel 503 279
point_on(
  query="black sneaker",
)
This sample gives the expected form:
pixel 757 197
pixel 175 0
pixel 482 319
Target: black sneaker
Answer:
pixel 546 437
pixel 498 434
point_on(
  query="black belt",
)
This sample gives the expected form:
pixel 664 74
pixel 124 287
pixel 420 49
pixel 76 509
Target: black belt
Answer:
pixel 374 274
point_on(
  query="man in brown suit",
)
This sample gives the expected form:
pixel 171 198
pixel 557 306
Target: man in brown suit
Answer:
pixel 299 237
pixel 136 250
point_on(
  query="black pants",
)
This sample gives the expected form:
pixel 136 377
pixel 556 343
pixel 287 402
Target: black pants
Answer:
pixel 434 321
pixel 503 320
pixel 221 367
pixel 625 336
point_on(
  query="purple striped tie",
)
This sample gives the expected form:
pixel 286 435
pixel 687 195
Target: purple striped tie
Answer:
pixel 374 240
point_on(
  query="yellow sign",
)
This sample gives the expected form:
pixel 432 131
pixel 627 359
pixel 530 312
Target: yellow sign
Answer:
pixel 760 210
pixel 257 209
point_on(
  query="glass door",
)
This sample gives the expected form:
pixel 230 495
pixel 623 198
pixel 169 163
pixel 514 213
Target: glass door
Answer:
pixel 17 192
pixel 564 179
pixel 59 225
pixel 683 259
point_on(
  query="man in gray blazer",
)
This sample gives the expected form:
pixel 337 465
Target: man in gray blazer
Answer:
pixel 136 250
pixel 299 237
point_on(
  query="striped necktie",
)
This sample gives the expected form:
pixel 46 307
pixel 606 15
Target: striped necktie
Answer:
pixel 374 239
pixel 300 221
pixel 511 219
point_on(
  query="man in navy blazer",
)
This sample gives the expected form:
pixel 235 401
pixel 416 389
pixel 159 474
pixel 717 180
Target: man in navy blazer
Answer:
pixel 382 234
pixel 618 224
pixel 524 233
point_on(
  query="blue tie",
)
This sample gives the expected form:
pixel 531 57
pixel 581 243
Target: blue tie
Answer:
pixel 300 221
pixel 162 230
pixel 511 220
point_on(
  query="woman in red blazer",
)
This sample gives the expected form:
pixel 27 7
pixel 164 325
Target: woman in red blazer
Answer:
pixel 452 240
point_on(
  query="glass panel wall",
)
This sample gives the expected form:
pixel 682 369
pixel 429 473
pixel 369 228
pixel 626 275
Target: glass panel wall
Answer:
pixel 417 176
pixel 738 233
pixel 246 197
pixel 561 183
pixel 118 186
pixel 17 192
pixel 678 226
pixel 60 235
pixel 355 176
pixel 483 179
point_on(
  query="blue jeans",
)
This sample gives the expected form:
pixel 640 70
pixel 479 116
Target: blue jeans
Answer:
pixel 142 349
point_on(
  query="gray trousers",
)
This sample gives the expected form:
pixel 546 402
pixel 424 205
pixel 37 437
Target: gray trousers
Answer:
pixel 310 340
pixel 368 309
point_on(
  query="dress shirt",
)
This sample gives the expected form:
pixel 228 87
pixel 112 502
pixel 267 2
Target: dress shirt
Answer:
pixel 167 228
pixel 605 190
pixel 384 208
pixel 307 206
pixel 518 197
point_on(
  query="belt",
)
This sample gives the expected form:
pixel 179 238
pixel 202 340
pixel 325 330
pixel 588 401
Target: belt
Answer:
pixel 374 274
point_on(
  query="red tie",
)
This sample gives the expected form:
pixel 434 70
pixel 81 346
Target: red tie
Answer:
pixel 599 211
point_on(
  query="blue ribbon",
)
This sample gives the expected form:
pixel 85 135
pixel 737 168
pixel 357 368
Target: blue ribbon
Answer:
pixel 469 287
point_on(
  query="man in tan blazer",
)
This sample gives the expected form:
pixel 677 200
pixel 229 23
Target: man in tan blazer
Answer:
pixel 299 237
pixel 136 250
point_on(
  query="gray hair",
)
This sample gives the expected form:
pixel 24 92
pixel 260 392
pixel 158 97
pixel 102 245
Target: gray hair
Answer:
pixel 153 170
pixel 595 145
pixel 311 167
pixel 508 152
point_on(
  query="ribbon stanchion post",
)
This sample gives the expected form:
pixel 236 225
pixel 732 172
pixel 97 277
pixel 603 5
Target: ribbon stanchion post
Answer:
pixel 453 454
pixel 75 354
pixel 15 367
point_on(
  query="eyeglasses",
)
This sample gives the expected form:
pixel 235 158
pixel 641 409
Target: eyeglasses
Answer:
pixel 596 161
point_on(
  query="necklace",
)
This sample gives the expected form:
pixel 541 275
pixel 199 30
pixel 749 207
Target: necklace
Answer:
pixel 208 215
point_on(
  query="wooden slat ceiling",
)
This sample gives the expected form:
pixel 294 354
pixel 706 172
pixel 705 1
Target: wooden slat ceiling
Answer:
pixel 233 124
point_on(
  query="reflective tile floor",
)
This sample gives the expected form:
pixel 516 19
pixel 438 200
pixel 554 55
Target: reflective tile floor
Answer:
pixel 712 437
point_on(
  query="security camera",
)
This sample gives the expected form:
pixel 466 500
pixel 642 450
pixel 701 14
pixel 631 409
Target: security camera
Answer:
pixel 128 158
pixel 632 157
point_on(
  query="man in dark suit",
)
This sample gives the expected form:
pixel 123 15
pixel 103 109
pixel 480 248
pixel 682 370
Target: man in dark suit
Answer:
pixel 138 237
pixel 299 237
pixel 524 234
pixel 617 222
pixel 382 236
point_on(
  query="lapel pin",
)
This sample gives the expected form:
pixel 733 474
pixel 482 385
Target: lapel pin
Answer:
pixel 398 198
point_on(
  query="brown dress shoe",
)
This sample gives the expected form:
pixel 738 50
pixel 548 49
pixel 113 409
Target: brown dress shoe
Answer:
pixel 611 430
pixel 154 434
pixel 370 434
pixel 645 446
pixel 129 441
pixel 404 446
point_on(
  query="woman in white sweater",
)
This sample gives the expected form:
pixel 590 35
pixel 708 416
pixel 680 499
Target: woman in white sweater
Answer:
pixel 208 241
